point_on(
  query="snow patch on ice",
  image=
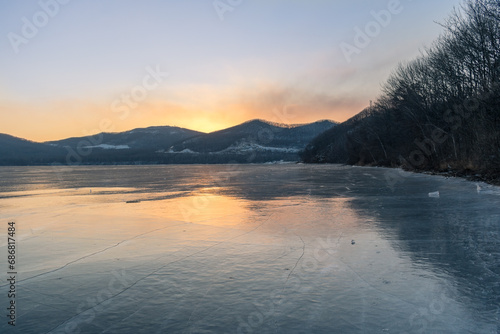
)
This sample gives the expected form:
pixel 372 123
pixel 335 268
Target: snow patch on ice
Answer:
pixel 110 147
pixel 434 194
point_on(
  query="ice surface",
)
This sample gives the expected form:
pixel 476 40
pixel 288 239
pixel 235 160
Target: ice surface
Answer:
pixel 250 249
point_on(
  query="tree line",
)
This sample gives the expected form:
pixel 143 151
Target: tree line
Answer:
pixel 440 111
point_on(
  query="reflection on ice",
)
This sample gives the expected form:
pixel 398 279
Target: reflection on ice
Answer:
pixel 251 249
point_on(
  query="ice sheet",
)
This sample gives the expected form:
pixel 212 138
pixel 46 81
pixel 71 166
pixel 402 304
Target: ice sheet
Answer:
pixel 250 249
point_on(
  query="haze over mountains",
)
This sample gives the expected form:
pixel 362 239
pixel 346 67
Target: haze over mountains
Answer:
pixel 251 142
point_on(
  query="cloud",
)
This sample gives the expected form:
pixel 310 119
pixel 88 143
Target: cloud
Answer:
pixel 298 105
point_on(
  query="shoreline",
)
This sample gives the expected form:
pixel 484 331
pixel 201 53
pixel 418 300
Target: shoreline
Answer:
pixel 490 178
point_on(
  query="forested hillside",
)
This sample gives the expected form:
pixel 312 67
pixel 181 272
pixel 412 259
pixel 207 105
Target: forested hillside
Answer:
pixel 18 151
pixel 439 112
pixel 255 141
pixel 255 134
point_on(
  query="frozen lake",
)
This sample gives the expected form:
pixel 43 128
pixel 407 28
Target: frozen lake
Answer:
pixel 249 249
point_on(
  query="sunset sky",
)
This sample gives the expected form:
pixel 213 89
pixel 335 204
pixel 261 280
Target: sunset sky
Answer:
pixel 73 68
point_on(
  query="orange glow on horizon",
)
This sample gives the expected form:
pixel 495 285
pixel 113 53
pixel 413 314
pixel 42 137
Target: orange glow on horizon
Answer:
pixel 60 120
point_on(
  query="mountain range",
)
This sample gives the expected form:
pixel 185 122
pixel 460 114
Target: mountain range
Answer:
pixel 253 141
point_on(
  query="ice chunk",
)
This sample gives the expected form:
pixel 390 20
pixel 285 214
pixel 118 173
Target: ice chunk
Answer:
pixel 434 194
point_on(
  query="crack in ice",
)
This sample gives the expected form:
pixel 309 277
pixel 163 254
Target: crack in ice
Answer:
pixel 155 271
pixel 92 254
pixel 288 277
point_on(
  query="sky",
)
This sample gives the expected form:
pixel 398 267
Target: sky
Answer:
pixel 71 68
